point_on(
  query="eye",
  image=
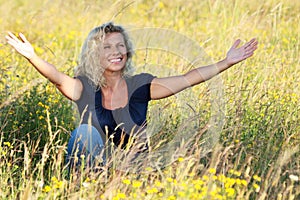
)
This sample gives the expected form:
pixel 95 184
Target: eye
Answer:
pixel 106 47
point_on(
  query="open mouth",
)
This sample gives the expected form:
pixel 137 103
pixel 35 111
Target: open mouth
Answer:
pixel 116 60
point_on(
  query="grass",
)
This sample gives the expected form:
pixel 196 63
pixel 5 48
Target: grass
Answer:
pixel 253 151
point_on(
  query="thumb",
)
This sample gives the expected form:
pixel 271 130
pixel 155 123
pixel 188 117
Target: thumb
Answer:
pixel 236 44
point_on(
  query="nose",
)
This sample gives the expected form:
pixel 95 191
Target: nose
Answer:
pixel 116 50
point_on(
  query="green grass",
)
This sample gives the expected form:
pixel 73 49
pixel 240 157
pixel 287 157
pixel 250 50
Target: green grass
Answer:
pixel 257 154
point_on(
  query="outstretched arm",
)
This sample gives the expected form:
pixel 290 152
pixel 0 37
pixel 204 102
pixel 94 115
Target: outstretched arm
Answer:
pixel 69 87
pixel 164 87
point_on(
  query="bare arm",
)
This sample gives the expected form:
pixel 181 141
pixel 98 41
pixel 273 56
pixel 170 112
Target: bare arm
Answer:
pixel 69 87
pixel 164 87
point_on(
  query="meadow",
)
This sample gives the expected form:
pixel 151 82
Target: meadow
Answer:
pixel 235 137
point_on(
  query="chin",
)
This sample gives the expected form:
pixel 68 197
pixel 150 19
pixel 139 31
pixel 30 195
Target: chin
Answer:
pixel 115 68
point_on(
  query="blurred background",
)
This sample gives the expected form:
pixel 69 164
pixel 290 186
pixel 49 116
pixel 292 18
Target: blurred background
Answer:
pixel 260 130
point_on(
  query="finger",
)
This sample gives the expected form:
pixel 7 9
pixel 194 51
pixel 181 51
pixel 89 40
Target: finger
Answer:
pixel 247 45
pixel 247 55
pixel 7 37
pixel 251 43
pixel 236 43
pixel 255 43
pixel 13 36
pixel 253 40
pixel 251 51
pixel 10 39
pixel 12 43
pixel 23 37
pixel 254 46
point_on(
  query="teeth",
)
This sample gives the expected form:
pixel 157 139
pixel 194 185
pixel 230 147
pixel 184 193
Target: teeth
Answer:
pixel 115 60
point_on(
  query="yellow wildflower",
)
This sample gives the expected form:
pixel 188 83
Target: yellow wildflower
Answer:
pixel 237 173
pixel 238 181
pixel 257 178
pixel 256 187
pixel 170 180
pixel 47 189
pixel 181 194
pixel 148 169
pixel 126 182
pixel 152 191
pixel 157 183
pixel 134 195
pixel 161 5
pixel 59 184
pixel 205 177
pixel 230 192
pixel 244 182
pixel 171 197
pixel 54 179
pixel 136 184
pixel 230 182
pixel 212 171
pixel 6 144
pixel 121 195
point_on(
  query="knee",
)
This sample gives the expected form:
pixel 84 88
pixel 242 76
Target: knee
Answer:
pixel 84 129
pixel 86 135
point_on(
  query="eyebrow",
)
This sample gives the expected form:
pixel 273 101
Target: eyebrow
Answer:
pixel 110 43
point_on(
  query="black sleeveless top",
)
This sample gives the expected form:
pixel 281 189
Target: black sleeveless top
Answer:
pixel 120 122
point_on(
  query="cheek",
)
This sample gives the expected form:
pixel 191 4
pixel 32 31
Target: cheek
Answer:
pixel 125 57
pixel 124 51
pixel 103 55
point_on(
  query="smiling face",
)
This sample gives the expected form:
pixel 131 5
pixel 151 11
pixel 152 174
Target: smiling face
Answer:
pixel 113 52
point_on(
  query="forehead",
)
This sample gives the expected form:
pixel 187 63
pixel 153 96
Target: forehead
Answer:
pixel 113 38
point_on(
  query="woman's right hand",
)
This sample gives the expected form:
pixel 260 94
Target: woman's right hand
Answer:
pixel 69 86
pixel 21 46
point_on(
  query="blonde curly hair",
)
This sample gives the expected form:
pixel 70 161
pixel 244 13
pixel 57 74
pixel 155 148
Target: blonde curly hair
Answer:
pixel 89 59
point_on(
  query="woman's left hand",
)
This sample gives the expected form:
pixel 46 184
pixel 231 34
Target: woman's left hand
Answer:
pixel 236 55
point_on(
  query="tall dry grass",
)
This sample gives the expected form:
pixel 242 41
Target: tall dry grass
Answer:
pixel 257 154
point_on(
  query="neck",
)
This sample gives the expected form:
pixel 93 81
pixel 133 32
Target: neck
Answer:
pixel 113 80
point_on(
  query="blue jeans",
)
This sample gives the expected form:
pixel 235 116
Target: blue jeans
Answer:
pixel 85 147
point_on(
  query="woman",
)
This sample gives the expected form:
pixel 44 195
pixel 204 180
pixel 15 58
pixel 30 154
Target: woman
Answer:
pixel 107 95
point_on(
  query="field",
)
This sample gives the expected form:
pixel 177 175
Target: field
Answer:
pixel 236 136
